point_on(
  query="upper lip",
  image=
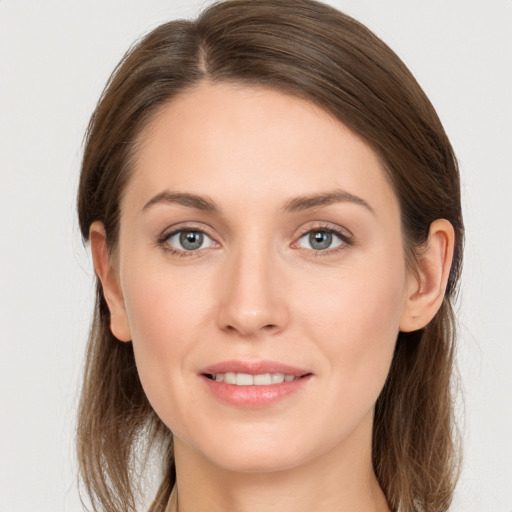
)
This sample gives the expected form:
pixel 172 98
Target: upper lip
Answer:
pixel 253 368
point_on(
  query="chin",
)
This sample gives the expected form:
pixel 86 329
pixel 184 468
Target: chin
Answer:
pixel 257 462
pixel 257 454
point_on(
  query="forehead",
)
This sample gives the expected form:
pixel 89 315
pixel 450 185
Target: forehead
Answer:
pixel 255 141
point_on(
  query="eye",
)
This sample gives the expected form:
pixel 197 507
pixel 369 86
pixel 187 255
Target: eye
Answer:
pixel 189 240
pixel 321 240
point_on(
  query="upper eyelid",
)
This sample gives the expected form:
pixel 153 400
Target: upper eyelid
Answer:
pixel 326 226
pixel 186 230
pixel 172 230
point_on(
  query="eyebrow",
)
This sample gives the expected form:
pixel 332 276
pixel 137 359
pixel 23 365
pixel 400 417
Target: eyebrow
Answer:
pixel 184 199
pixel 296 204
pixel 311 201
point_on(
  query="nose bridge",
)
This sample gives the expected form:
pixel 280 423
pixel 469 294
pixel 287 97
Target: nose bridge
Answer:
pixel 252 298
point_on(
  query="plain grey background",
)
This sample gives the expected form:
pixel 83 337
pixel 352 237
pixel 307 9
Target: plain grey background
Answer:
pixel 55 57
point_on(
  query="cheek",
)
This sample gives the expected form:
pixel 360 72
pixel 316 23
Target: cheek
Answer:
pixel 163 302
pixel 356 323
pixel 165 315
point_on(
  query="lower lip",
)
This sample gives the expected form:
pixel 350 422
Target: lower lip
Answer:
pixel 254 396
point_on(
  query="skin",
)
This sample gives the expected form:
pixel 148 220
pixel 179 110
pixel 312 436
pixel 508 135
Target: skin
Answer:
pixel 257 290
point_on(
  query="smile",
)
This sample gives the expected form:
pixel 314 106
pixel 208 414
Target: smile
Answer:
pixel 246 379
pixel 254 384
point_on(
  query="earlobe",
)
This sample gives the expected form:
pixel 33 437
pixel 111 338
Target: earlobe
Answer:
pixel 109 279
pixel 427 286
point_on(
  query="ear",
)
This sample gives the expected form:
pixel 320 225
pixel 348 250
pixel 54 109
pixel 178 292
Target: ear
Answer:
pixel 109 278
pixel 426 287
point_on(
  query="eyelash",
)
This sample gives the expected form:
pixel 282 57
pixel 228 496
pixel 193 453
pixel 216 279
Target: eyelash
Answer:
pixel 346 238
pixel 163 241
pixel 346 241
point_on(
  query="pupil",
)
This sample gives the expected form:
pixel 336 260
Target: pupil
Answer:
pixel 191 240
pixel 320 240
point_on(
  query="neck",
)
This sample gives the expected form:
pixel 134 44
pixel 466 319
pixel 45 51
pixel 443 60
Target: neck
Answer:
pixel 342 480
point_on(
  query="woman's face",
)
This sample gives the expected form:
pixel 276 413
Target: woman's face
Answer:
pixel 260 246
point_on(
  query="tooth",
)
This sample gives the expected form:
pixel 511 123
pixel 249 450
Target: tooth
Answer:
pixel 244 379
pixel 263 379
pixel 230 378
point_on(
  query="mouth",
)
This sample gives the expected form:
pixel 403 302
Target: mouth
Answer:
pixel 254 385
pixel 247 379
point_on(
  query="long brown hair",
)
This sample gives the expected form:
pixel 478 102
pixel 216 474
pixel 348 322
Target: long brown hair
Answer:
pixel 307 49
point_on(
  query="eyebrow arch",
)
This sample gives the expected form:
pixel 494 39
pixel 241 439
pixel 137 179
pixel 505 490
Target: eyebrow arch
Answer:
pixel 184 199
pixel 310 201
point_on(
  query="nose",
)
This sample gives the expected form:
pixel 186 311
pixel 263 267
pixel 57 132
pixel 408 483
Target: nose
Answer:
pixel 253 294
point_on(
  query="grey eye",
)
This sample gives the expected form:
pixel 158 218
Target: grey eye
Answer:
pixel 189 240
pixel 320 240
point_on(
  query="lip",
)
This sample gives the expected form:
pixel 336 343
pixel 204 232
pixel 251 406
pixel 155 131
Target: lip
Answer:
pixel 254 397
pixel 254 368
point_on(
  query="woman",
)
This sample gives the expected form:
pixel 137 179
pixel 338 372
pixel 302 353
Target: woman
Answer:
pixel 273 209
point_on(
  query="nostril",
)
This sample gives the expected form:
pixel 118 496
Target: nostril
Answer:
pixel 252 315
pixel 250 327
